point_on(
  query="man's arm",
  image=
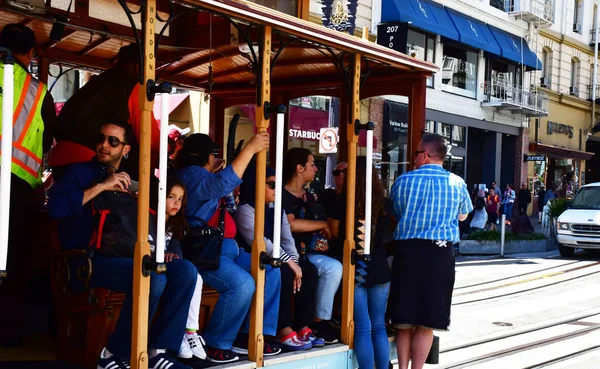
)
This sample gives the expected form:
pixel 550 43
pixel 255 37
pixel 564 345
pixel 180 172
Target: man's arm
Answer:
pixel 466 205
pixel 49 118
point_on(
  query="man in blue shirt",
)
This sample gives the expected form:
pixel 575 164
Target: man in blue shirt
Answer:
pixel 428 203
pixel 71 202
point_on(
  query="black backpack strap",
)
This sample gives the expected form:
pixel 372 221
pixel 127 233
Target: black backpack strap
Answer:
pixel 222 217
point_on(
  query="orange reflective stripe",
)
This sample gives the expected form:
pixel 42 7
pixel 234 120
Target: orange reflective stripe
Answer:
pixel 24 92
pixel 25 167
pixel 32 112
pixel 28 152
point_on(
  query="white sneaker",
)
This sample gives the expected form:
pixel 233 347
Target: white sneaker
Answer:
pixel 194 346
pixel 185 352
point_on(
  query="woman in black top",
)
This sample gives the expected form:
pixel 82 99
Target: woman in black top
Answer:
pixel 311 232
pixel 372 278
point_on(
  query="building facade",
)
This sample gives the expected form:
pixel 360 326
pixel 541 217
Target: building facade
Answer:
pixel 515 87
pixel 485 93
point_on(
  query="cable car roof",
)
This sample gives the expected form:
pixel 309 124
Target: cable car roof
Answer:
pixel 303 53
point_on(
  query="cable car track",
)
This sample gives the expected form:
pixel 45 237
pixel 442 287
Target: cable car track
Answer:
pixel 516 276
pixel 499 354
pixel 526 281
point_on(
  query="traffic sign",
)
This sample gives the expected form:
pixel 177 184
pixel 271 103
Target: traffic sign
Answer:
pixel 328 140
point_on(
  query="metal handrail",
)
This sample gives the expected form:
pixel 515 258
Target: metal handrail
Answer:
pixel 507 93
pixel 541 8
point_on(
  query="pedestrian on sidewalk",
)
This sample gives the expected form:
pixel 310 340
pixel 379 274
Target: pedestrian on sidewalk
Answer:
pixel 523 198
pixel 428 203
pixel 492 206
pixel 508 201
pixel 541 203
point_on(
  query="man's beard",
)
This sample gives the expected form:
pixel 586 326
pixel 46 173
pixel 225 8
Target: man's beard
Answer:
pixel 110 159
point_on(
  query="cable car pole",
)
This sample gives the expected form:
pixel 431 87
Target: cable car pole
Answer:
pixel 349 245
pixel 141 280
pixel 263 96
pixel 5 168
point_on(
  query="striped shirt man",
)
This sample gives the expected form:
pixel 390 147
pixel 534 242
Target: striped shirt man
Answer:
pixel 427 202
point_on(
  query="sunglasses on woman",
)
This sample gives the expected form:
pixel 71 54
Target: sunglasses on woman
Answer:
pixel 339 172
pixel 271 184
pixel 112 140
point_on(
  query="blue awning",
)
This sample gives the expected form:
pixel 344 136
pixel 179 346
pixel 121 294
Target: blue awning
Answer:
pixel 513 45
pixel 423 14
pixel 474 33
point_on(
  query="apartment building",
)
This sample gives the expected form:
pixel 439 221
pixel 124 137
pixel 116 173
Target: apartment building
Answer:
pixel 565 138
pixel 515 110
pixel 486 92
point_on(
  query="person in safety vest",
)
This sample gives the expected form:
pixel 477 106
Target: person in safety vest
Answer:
pixel 112 95
pixel 34 117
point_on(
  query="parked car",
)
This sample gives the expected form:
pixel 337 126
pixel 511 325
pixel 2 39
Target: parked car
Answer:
pixel 579 226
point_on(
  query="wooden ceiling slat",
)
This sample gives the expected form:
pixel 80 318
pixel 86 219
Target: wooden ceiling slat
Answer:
pixel 68 33
pixel 94 45
pixel 27 22
pixel 203 60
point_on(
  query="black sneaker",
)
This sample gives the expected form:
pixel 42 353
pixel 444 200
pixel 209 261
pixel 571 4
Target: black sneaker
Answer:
pixel 219 356
pixel 108 361
pixel 240 345
pixel 271 348
pixel 326 332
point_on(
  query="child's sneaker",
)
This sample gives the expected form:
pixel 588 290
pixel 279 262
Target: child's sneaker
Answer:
pixel 219 356
pixel 192 345
pixel 307 335
pixel 292 342
pixel 110 361
pixel 162 361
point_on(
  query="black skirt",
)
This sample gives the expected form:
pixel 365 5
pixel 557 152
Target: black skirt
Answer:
pixel 422 284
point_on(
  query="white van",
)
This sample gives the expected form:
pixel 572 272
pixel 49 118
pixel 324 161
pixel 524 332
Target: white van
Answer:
pixel 579 226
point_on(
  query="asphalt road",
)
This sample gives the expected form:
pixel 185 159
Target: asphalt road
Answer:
pixel 524 311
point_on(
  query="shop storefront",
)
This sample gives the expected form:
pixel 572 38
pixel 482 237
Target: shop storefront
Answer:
pixel 556 150
pixel 307 117
pixel 480 151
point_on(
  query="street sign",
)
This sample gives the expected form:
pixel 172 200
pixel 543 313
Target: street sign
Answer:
pixel 328 140
pixel 534 157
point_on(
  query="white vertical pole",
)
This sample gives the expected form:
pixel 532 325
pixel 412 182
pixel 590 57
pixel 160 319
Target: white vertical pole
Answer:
pixel 162 180
pixel 368 191
pixel 502 234
pixel 5 169
pixel 595 78
pixel 278 182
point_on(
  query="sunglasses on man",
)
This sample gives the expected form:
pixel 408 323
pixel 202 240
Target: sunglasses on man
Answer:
pixel 338 172
pixel 112 140
pixel 271 185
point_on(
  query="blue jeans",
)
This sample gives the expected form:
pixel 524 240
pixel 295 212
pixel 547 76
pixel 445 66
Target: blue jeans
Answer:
pixel 330 276
pixel 175 288
pixel 272 291
pixel 370 339
pixel 508 210
pixel 235 287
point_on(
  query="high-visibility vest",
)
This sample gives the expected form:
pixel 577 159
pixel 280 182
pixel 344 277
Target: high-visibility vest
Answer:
pixel 28 126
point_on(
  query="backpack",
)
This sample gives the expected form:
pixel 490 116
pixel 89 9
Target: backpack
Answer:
pixel 479 203
pixel 115 216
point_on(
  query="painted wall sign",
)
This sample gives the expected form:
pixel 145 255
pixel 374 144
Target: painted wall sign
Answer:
pixel 338 360
pixel 534 157
pixel 308 135
pixel 558 128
